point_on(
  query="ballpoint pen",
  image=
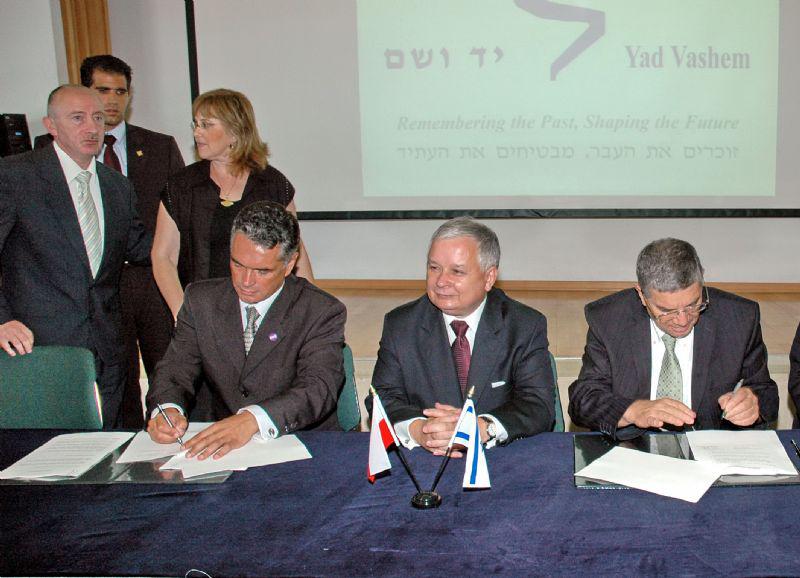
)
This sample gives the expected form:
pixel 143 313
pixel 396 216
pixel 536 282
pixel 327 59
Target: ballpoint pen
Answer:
pixel 169 421
pixel 796 449
pixel 735 389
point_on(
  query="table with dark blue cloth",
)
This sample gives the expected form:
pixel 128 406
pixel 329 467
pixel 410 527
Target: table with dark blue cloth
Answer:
pixel 321 517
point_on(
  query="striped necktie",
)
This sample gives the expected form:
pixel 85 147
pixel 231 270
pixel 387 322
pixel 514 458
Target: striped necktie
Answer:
pixel 670 380
pixel 90 225
pixel 461 352
pixel 250 328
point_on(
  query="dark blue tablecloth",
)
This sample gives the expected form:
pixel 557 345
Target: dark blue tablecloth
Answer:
pixel 322 517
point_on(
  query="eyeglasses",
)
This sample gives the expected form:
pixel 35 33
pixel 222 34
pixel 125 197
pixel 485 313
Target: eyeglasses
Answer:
pixel 689 310
pixel 203 124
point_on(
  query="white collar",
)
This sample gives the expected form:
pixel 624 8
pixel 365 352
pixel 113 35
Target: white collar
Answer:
pixel 69 166
pixel 472 319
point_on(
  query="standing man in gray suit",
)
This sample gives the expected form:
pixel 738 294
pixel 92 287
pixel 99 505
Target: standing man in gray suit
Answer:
pixel 67 226
pixel 670 352
pixel 464 332
pixel 147 158
pixel 268 344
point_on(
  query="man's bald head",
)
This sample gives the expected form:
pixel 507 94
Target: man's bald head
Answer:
pixel 75 118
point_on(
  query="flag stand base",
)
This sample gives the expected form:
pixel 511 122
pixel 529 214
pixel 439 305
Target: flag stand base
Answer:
pixel 426 500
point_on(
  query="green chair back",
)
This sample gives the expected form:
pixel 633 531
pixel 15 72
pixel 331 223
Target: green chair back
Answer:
pixel 51 387
pixel 347 410
pixel 558 424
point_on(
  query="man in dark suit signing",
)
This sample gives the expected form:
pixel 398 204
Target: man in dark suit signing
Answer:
pixel 269 344
pixel 147 158
pixel 670 352
pixel 67 225
pixel 464 333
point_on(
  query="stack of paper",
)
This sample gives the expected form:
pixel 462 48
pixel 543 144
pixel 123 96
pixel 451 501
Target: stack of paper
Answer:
pixel 66 456
pixel 256 452
pixel 683 479
pixel 742 452
pixel 143 449
pixel 716 453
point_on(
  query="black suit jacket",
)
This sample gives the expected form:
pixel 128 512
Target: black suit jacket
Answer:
pixel 794 376
pixel 510 365
pixel 294 369
pixel 617 361
pixel 152 158
pixel 46 278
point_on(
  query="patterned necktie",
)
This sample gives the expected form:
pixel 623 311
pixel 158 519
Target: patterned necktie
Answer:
pixel 670 380
pixel 90 225
pixel 461 353
pixel 110 158
pixel 250 328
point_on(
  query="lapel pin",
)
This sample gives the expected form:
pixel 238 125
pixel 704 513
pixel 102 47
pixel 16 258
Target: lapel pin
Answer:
pixel 139 154
pixel 273 337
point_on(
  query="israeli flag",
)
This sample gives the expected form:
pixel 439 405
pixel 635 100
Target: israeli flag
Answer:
pixel 476 472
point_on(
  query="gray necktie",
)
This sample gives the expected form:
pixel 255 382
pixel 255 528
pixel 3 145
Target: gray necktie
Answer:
pixel 670 380
pixel 90 224
pixel 250 328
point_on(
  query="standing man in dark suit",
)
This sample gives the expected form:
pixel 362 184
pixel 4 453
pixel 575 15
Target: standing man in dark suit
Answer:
pixel 794 377
pixel 67 225
pixel 147 158
pixel 268 344
pixel 670 353
pixel 464 333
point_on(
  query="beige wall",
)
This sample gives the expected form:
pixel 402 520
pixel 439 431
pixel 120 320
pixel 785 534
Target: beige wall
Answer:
pixel 150 35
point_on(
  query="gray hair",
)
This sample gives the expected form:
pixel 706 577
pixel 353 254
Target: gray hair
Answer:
pixel 488 245
pixel 668 265
pixel 268 225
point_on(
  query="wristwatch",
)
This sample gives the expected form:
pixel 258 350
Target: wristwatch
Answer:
pixel 491 429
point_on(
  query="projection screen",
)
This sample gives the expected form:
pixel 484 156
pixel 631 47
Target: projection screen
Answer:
pixel 414 105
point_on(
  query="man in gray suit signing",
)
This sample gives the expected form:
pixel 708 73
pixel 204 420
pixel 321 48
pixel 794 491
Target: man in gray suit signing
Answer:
pixel 269 344
pixel 462 333
pixel 670 353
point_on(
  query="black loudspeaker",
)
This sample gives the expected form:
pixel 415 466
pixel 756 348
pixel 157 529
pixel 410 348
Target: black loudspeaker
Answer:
pixel 14 135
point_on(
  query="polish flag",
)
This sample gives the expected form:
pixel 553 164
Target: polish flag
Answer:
pixel 381 438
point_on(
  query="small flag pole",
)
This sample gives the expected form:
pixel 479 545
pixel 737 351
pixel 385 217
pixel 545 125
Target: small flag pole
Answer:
pixel 449 449
pixel 400 454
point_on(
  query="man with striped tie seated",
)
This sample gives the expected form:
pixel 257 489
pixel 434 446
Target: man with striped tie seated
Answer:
pixel 268 343
pixel 464 333
pixel 672 353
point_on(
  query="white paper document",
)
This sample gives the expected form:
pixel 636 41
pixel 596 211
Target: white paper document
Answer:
pixel 742 452
pixel 144 449
pixel 256 452
pixel 676 478
pixel 66 456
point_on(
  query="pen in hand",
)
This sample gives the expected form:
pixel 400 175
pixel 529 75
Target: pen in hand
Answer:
pixel 735 389
pixel 169 421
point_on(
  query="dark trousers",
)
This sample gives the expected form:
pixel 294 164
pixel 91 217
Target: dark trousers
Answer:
pixel 110 384
pixel 146 328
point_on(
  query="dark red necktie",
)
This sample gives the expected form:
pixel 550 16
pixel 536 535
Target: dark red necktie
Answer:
pixel 110 158
pixel 461 354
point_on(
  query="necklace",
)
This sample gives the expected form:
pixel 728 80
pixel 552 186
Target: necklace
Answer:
pixel 229 186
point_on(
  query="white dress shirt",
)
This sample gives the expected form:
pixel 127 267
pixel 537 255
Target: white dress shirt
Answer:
pixel 266 427
pixel 684 351
pixel 71 170
pixel 472 320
